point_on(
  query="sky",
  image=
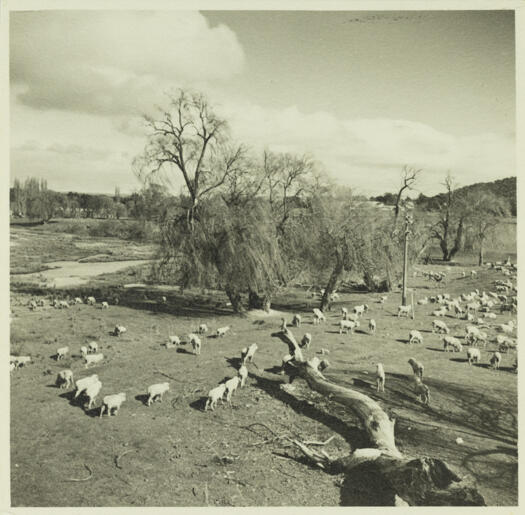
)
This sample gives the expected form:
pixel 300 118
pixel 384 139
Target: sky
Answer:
pixel 363 92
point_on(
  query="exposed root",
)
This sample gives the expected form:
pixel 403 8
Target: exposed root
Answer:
pixel 117 458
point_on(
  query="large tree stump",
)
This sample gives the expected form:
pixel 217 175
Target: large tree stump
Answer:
pixel 381 474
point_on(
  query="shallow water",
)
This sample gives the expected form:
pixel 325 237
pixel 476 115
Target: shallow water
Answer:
pixel 72 273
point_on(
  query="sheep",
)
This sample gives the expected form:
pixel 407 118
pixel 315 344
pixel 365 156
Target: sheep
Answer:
pixel 104 305
pixel 415 336
pixel 417 367
pixel 119 329
pixel 203 328
pixel 222 331
pixel 61 352
pixel 91 301
pixel 243 375
pixel 156 391
pixel 344 312
pixel 423 301
pixel 247 353
pixel 404 310
pixel 440 312
pixel 473 355
pixel 473 273
pixel 472 334
pixel 173 341
pixel 440 327
pixel 473 306
pixel 83 351
pixel 93 358
pixel 318 316
pixel 64 379
pixel 195 342
pixel 360 310
pixel 495 360
pixel 78 300
pixel 21 360
pixel 372 325
pixel 92 390
pixel 347 325
pixel 452 343
pixel 231 385
pixel 110 402
pixel 505 343
pixel 306 340
pixel 214 395
pixel 507 328
pixel 421 390
pixel 458 310
pixel 296 320
pixel 93 347
pixel 63 304
pixel 82 384
pixel 32 305
pixel 380 377
pixel 41 302
pixel 490 315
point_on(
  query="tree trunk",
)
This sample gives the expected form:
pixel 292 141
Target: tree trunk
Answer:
pixel 458 241
pixel 330 287
pixel 480 261
pixel 235 299
pixel 256 301
pixel 444 249
pixel 381 475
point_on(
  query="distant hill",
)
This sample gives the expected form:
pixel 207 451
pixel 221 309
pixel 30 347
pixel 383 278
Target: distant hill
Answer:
pixel 505 188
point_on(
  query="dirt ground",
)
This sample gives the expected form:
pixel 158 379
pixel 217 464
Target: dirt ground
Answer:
pixel 175 454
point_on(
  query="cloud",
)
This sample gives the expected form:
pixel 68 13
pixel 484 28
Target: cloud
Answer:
pixel 111 62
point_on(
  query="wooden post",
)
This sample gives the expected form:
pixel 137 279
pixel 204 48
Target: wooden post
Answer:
pixel 413 305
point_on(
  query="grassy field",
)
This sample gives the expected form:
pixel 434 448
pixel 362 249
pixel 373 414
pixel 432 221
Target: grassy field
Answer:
pixel 175 454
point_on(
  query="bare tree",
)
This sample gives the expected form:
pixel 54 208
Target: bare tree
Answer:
pixel 408 179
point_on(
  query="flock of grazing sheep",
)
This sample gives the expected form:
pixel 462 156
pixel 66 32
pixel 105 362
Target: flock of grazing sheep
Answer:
pixel 476 308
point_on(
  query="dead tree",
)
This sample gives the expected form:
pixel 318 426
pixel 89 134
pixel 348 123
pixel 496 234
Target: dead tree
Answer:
pixel 382 472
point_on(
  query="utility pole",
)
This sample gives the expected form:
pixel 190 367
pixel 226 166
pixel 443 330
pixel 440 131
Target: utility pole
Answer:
pixel 408 222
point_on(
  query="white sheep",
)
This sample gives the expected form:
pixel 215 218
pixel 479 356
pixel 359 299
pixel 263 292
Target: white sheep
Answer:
pixel 83 351
pixel 104 305
pixel 92 390
pixel 417 367
pixel 247 353
pixel 318 316
pixel 156 391
pixel 110 402
pixel 195 342
pixel 452 343
pixel 372 325
pixel 296 320
pixel 492 316
pixel 415 336
pixel 344 312
pixel 93 358
pixel 78 300
pixel 423 301
pixel 458 310
pixel 214 395
pixel 421 390
pixel 231 385
pixel 65 378
pixel 32 305
pixel 404 310
pixel 472 306
pixel 495 360
pixel 82 384
pixel 380 377
pixel 472 334
pixel 243 374
pixel 473 355
pixel 306 340
pixel 63 304
pixel 507 328
pixel 360 310
pixel 222 331
pixel 173 341
pixel 119 329
pixel 203 328
pixel 21 360
pixel 91 301
pixel 440 327
pixel 347 325
pixel 93 347
pixel 61 352
pixel 473 273
pixel 441 312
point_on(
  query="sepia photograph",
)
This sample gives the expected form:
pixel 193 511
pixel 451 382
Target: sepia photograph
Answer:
pixel 261 257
